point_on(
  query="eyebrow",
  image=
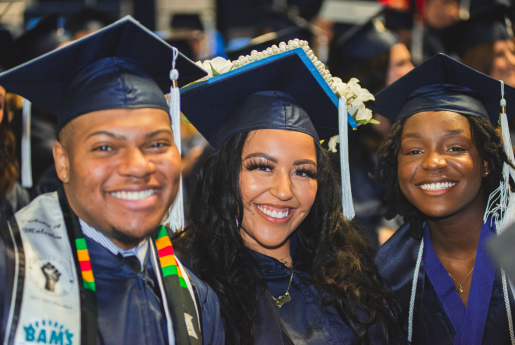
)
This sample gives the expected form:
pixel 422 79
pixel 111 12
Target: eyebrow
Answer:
pixel 261 155
pixel 453 132
pixel 153 134
pixel 304 161
pixel 121 137
pixel 270 158
pixel 416 135
pixel 109 134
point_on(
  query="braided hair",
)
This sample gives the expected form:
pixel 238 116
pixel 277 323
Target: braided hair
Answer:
pixel 488 143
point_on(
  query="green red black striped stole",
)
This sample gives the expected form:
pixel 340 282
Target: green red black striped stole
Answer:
pixel 88 279
pixel 180 302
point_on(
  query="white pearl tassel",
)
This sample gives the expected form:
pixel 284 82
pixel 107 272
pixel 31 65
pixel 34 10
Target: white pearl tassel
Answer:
pixel 176 215
pixel 347 204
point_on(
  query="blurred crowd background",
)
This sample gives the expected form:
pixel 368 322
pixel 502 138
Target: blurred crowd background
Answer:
pixel 374 41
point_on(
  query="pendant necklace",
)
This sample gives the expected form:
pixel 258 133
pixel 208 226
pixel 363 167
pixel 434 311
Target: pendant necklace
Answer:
pixel 460 289
pixel 279 301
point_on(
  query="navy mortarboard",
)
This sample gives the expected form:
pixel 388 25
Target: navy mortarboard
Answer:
pixel 442 83
pixel 490 24
pixel 282 87
pixel 9 56
pixel 45 36
pixel 74 79
pixel 366 41
pixel 87 20
pixel 123 66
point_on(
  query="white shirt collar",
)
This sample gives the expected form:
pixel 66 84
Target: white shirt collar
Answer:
pixel 140 251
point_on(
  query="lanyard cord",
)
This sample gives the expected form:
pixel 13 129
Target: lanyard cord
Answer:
pixel 414 291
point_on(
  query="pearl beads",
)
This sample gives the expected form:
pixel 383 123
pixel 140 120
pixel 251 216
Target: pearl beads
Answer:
pixel 281 48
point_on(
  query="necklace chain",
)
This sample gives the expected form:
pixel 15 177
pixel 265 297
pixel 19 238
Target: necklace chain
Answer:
pixel 281 300
pixel 460 289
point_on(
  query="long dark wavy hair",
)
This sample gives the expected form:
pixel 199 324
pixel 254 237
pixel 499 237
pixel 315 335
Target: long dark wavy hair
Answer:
pixel 488 143
pixel 9 168
pixel 335 250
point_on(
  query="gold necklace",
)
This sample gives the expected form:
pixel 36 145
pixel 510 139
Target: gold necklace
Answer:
pixel 279 301
pixel 283 261
pixel 460 290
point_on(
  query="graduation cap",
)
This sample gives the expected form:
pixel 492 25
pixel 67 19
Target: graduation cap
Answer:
pixel 189 21
pixel 487 25
pixel 365 41
pixel 283 87
pixel 45 36
pixel 88 19
pixel 71 81
pixel 122 66
pixel 9 56
pixel 442 83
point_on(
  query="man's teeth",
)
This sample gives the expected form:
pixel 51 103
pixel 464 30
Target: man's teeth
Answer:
pixel 133 195
pixel 437 186
pixel 274 213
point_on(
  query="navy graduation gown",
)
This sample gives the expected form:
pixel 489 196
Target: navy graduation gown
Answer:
pixel 304 319
pixel 396 262
pixel 129 304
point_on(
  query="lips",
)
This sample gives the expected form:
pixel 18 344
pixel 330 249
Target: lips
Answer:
pixel 437 185
pixel 274 213
pixel 133 195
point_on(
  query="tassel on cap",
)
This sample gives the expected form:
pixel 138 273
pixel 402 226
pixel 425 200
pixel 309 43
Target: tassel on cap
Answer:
pixel 176 214
pixel 501 202
pixel 348 206
pixel 26 164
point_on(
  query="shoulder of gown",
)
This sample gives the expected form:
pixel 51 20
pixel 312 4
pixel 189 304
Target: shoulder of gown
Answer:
pixel 212 325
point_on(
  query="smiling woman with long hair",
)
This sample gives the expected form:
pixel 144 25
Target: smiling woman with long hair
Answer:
pixel 440 162
pixel 267 230
pixel 12 196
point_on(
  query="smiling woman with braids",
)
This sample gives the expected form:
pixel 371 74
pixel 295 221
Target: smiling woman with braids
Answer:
pixel 267 230
pixel 442 164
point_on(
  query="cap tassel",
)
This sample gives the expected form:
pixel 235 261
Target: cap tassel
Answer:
pixel 501 202
pixel 348 206
pixel 26 164
pixel 176 214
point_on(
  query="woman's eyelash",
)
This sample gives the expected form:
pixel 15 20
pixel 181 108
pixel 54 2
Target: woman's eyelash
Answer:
pixel 311 173
pixel 255 164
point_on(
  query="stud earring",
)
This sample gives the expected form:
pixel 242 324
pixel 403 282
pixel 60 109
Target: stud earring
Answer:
pixel 64 176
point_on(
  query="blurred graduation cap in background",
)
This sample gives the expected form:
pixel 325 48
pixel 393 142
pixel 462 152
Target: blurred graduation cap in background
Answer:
pixel 188 21
pixel 488 24
pixel 362 43
pixel 85 76
pixel 87 20
pixel 42 38
pixel 444 84
pixel 9 56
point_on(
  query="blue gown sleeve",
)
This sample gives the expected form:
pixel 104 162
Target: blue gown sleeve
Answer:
pixel 212 325
pixel 4 304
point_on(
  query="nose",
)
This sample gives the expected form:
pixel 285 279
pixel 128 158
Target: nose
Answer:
pixel 135 164
pixel 281 187
pixel 434 161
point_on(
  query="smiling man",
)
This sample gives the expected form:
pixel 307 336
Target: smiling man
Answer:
pixel 90 264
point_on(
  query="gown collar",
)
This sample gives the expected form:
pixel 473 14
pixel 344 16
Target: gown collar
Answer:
pixel 469 323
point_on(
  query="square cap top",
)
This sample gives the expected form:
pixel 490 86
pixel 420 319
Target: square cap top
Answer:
pixel 283 91
pixel 124 65
pixel 444 84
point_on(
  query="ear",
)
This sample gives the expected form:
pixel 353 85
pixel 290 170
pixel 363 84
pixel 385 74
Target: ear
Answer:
pixel 62 162
pixel 486 170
